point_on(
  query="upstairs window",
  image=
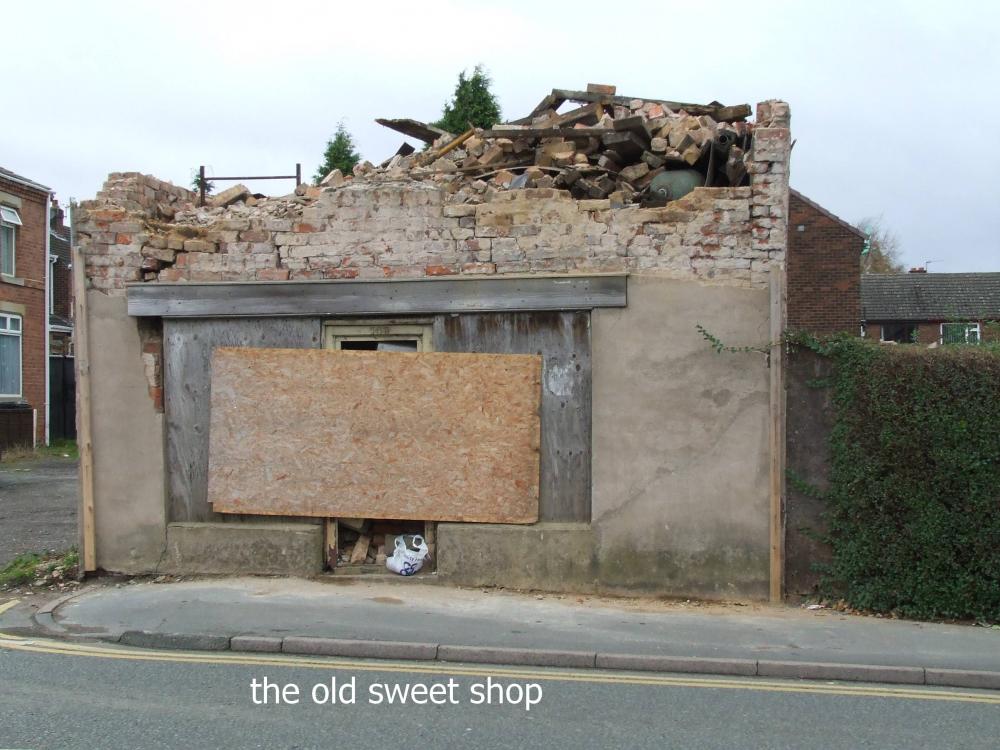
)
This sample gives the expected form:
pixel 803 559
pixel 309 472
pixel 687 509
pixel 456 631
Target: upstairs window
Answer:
pixel 9 222
pixel 10 355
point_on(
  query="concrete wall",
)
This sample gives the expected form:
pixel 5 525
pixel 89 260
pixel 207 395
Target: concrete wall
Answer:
pixel 129 481
pixel 680 494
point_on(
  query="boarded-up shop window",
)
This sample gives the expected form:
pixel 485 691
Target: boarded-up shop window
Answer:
pixel 381 338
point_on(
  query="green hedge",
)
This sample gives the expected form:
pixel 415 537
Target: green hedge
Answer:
pixel 914 501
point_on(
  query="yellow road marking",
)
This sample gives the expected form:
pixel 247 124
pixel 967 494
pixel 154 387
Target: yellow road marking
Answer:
pixel 46 646
pixel 7 605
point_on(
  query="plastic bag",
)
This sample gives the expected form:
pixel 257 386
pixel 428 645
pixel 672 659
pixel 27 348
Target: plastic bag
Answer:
pixel 406 561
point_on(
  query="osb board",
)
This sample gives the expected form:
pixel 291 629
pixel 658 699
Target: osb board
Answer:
pixel 433 437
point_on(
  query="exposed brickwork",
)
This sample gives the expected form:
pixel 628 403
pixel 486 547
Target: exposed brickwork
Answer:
pixel 30 268
pixel 142 229
pixel 824 272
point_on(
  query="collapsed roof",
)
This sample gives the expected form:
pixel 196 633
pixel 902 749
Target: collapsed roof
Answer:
pixel 639 150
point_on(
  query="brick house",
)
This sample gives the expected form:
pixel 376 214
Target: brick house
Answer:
pixel 824 269
pixel 931 308
pixel 24 246
pixel 60 298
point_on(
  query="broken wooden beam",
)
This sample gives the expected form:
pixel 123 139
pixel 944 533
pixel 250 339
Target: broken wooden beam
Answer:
pixel 735 112
pixel 413 128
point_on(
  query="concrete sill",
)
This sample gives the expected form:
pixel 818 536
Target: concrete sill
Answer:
pixel 15 280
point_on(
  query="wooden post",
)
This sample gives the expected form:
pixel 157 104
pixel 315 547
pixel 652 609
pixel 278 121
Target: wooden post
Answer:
pixel 298 175
pixel 201 185
pixel 81 331
pixel 777 434
pixel 330 536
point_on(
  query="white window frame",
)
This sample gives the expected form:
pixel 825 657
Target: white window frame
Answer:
pixel 9 219
pixel 53 262
pixel 335 333
pixel 6 329
pixel 968 327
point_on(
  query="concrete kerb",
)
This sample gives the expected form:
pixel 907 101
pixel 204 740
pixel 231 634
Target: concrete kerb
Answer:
pixel 407 651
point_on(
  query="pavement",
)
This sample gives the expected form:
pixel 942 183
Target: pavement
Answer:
pixel 38 505
pixel 406 619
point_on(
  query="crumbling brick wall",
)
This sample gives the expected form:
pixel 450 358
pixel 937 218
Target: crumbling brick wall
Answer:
pixel 142 229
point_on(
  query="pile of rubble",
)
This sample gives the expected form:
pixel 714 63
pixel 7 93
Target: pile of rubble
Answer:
pixel 636 150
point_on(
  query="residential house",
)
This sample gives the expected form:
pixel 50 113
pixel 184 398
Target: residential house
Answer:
pixel 824 269
pixel 60 296
pixel 931 308
pixel 24 247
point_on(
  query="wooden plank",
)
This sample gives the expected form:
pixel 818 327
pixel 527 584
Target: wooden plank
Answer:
pixel 413 128
pixel 735 112
pixel 331 535
pixel 777 435
pixel 414 297
pixel 563 339
pixel 574 133
pixel 187 353
pixel 429 436
pixel 81 336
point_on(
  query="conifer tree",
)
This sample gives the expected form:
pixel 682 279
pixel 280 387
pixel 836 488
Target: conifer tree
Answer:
pixel 340 154
pixel 473 102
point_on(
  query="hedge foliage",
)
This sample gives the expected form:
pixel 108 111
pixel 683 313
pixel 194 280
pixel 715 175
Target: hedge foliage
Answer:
pixel 914 499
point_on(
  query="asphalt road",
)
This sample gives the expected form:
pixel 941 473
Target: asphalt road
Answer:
pixel 37 506
pixel 59 695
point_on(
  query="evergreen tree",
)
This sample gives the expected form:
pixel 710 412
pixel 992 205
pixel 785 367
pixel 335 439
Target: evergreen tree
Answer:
pixel 473 102
pixel 340 154
pixel 196 184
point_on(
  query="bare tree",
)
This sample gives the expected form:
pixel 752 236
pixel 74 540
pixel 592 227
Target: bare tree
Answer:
pixel 881 253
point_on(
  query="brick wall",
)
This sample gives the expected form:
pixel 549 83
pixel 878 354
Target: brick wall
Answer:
pixel 142 229
pixel 30 267
pixel 824 274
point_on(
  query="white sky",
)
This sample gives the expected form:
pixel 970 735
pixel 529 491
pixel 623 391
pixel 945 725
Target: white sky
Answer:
pixel 895 105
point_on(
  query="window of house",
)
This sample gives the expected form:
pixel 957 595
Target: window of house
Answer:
pixel 10 355
pixel 901 333
pixel 378 338
pixel 960 333
pixel 9 222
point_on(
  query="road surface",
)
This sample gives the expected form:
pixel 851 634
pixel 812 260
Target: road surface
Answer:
pixel 55 694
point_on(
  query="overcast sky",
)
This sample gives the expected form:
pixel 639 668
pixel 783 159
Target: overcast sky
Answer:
pixel 894 104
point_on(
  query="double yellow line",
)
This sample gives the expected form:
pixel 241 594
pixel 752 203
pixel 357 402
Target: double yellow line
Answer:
pixel 65 648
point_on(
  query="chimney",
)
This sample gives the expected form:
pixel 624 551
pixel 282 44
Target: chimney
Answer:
pixel 918 270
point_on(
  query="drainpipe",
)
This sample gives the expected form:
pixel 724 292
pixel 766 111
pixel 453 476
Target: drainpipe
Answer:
pixel 48 281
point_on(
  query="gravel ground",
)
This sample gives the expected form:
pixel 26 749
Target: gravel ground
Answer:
pixel 38 499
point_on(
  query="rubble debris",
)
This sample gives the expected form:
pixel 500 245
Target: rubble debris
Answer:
pixel 231 195
pixel 364 541
pixel 607 145
pixel 334 179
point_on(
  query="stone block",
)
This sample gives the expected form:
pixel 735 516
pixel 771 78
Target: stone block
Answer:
pixel 244 548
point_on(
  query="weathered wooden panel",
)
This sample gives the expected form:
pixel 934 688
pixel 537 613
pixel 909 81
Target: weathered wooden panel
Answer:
pixel 439 437
pixel 188 348
pixel 408 297
pixel 563 341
